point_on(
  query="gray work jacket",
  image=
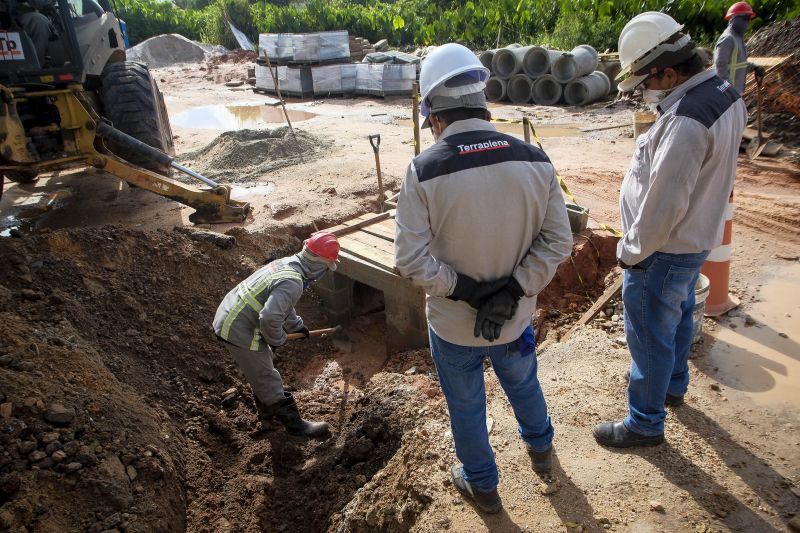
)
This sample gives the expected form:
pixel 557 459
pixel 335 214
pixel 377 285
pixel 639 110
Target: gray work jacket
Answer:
pixel 675 193
pixel 260 310
pixel 730 59
pixel 484 204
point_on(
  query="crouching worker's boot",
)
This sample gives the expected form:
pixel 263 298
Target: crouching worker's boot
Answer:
pixel 287 414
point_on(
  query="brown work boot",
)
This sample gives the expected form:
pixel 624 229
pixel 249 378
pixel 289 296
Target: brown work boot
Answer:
pixel 287 414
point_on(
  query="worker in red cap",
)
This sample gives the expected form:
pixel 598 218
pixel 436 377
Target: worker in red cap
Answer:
pixel 730 55
pixel 255 317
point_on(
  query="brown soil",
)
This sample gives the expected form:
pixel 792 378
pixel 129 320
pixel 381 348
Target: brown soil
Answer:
pixel 778 39
pixel 106 311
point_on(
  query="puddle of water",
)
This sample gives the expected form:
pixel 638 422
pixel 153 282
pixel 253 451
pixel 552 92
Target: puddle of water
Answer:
pixel 756 359
pixel 543 131
pixel 237 193
pixel 236 117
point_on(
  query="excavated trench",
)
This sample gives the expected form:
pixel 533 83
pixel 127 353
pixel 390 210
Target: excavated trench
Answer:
pixel 118 409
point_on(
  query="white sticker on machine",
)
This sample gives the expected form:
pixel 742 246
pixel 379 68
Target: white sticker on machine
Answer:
pixel 11 46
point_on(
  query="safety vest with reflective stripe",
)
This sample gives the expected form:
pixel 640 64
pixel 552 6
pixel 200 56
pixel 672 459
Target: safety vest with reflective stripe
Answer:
pixel 245 304
pixel 735 64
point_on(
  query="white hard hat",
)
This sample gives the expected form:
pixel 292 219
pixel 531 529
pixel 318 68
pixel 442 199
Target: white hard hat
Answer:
pixel 643 40
pixel 448 62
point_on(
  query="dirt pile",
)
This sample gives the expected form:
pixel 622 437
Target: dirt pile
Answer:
pixel 117 412
pixel 777 39
pixel 169 49
pixel 245 155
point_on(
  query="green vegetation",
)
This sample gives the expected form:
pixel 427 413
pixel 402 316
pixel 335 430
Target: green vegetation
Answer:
pixel 477 23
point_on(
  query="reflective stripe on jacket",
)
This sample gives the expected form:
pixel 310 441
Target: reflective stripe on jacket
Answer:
pixel 260 309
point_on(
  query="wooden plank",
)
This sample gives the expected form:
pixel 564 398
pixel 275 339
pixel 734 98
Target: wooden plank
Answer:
pixel 379 243
pixel 365 272
pixel 601 302
pixel 363 220
pixel 368 253
pixel 767 62
pixel 380 231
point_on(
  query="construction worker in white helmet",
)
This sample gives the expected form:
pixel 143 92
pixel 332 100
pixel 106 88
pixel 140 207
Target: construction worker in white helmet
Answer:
pixel 730 54
pixel 253 321
pixel 672 204
pixel 481 227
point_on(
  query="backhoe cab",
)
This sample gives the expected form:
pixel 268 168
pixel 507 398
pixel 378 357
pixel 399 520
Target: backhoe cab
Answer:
pixel 69 98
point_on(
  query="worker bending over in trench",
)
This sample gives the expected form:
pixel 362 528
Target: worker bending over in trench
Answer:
pixel 672 205
pixel 730 54
pixel 254 319
pixel 481 227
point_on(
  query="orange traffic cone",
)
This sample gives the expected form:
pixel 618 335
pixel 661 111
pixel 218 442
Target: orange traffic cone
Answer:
pixel 718 270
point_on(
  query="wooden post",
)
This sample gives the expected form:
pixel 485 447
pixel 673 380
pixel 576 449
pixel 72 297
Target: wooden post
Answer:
pixel 526 130
pixel 415 114
pixel 278 91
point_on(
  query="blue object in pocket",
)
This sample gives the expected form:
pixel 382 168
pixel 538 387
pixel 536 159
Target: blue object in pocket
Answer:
pixel 527 342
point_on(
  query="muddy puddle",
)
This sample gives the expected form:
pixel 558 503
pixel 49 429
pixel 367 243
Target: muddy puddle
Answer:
pixel 758 352
pixel 249 191
pixel 514 128
pixel 236 117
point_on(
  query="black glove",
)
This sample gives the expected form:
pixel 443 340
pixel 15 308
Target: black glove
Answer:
pixel 498 308
pixel 758 71
pixel 475 292
pixel 304 331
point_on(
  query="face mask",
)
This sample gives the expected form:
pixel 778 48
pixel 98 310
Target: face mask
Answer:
pixel 653 96
pixel 739 24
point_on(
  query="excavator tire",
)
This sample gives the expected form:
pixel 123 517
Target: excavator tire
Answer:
pixel 134 105
pixel 22 176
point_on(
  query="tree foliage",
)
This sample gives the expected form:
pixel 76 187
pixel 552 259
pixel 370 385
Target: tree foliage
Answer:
pixel 477 23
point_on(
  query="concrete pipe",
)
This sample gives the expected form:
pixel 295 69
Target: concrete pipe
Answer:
pixel 495 89
pixel 537 61
pixel 486 58
pixel 508 61
pixel 519 89
pixel 582 60
pixel 587 89
pixel 546 90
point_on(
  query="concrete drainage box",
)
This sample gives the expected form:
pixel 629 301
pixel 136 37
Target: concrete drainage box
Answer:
pixel 367 257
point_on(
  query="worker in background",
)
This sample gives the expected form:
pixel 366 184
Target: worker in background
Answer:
pixel 481 227
pixel 672 205
pixel 730 54
pixel 38 27
pixel 255 316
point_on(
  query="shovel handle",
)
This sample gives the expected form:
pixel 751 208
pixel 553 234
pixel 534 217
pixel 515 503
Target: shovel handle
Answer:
pixel 375 141
pixel 314 333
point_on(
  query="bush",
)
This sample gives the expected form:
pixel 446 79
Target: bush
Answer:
pixel 476 23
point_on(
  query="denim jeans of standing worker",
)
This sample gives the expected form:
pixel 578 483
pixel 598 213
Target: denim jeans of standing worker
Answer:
pixel 460 370
pixel 659 299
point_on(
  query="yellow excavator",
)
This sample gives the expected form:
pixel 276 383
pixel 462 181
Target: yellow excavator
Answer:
pixel 69 98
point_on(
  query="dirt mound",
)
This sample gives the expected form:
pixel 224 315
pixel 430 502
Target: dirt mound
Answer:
pixel 244 155
pixel 166 50
pixel 233 57
pixel 777 39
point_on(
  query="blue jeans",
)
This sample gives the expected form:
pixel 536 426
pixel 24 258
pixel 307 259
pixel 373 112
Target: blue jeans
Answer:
pixel 460 370
pixel 659 298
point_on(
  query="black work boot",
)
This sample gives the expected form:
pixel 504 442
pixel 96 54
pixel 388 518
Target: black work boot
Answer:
pixel 488 502
pixel 542 461
pixel 287 414
pixel 616 435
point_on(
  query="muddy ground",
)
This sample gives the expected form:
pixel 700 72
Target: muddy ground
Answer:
pixel 119 411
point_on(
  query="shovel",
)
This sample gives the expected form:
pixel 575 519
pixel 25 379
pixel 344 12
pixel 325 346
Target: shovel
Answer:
pixel 757 144
pixel 375 141
pixel 340 339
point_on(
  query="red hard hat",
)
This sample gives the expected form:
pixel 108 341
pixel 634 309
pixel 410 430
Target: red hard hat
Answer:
pixel 740 8
pixel 324 245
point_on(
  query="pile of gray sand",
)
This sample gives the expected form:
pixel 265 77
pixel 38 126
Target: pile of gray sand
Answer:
pixel 171 49
pixel 247 155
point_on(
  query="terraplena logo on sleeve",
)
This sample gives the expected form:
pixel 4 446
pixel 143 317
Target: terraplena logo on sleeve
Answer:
pixel 482 147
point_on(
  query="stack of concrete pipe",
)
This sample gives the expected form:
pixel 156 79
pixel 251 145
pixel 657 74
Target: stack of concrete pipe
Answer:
pixel 523 74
